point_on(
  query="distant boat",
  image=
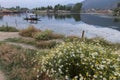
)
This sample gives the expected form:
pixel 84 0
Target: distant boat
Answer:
pixel 32 17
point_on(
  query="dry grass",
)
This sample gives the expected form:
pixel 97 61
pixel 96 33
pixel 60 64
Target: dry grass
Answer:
pixel 18 62
pixel 29 32
pixel 46 44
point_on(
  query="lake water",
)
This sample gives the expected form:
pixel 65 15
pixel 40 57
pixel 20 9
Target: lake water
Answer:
pixel 94 25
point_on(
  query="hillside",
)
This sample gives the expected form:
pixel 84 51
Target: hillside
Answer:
pixel 100 4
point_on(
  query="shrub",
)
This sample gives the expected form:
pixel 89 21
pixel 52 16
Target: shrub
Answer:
pixel 8 29
pixel 103 43
pixel 47 35
pixel 72 38
pixel 81 61
pixel 44 35
pixel 29 32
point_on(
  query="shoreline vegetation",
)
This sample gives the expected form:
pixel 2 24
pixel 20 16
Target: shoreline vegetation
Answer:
pixel 57 55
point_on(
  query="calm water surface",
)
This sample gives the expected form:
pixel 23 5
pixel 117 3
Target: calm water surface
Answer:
pixel 94 25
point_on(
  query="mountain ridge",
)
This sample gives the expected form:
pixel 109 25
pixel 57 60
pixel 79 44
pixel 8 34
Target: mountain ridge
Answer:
pixel 99 4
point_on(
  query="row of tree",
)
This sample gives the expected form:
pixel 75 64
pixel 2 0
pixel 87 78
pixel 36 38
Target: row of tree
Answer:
pixel 17 8
pixel 56 7
pixel 72 8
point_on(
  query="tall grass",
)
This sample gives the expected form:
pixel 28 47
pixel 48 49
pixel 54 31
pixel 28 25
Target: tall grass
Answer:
pixel 8 29
pixel 29 32
pixel 17 62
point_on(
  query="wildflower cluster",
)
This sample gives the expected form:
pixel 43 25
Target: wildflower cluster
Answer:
pixel 81 61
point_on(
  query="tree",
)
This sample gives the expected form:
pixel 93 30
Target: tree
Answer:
pixel 18 8
pixel 49 7
pixel 43 8
pixel 77 8
pixel 117 10
pixel 69 8
pixel 57 7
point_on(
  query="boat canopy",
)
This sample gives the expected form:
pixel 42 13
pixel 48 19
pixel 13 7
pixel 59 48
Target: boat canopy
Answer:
pixel 31 14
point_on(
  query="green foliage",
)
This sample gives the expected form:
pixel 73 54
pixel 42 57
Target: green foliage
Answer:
pixel 29 32
pixel 49 7
pixel 116 11
pixel 68 8
pixel 28 41
pixel 77 8
pixel 80 60
pixel 8 29
pixel 55 8
pixel 47 35
pixel 101 41
pixel 44 35
pixel 72 38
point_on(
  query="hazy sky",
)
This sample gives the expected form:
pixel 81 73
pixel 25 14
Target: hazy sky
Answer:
pixel 34 3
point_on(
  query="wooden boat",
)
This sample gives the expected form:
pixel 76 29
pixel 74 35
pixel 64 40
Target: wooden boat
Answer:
pixel 31 18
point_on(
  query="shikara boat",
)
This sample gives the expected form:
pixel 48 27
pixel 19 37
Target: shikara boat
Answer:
pixel 32 17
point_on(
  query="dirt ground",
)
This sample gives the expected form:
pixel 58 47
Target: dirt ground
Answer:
pixel 2 77
pixel 6 35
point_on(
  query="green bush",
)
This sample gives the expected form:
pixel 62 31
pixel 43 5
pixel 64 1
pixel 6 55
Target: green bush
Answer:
pixel 29 32
pixel 8 29
pixel 72 38
pixel 44 35
pixel 81 61
pixel 47 35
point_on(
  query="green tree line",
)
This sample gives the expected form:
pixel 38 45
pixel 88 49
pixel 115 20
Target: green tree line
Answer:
pixel 75 8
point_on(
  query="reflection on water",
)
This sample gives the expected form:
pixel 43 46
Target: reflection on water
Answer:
pixel 116 19
pixel 1 17
pixel 101 20
pixel 92 19
pixel 76 17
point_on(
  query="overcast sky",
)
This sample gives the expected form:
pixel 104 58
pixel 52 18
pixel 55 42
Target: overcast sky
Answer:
pixel 34 3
